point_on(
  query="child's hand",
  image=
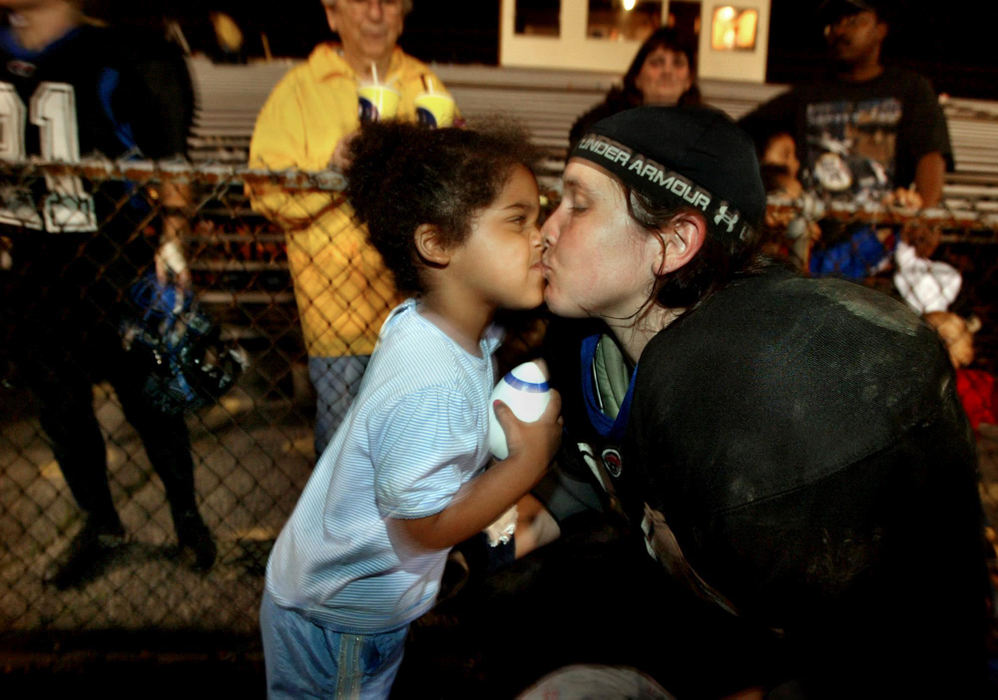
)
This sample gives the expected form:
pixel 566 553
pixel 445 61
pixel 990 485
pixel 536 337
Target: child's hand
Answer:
pixel 779 218
pixel 534 442
pixel 904 198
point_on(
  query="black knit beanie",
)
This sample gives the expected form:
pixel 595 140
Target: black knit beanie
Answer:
pixel 676 155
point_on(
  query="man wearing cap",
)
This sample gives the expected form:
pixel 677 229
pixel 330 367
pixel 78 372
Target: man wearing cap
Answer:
pixel 342 288
pixel 870 133
pixel 791 451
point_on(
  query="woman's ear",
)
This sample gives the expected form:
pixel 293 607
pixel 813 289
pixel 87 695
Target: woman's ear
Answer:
pixel 681 239
pixel 431 246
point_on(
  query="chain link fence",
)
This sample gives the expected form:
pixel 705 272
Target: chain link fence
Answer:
pixel 252 449
pixel 941 259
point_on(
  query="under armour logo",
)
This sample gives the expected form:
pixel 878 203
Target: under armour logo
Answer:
pixel 723 216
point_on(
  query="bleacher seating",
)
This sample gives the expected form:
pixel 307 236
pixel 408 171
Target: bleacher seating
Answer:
pixel 548 101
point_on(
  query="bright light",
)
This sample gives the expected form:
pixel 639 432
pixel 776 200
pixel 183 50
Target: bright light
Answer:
pixel 734 29
pixel 629 5
pixel 725 14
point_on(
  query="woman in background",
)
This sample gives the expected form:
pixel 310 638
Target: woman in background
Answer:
pixel 663 72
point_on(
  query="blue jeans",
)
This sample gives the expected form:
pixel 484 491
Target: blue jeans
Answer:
pixel 305 660
pixel 336 381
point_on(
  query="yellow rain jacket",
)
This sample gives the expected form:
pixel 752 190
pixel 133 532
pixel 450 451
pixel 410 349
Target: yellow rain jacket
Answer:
pixel 341 285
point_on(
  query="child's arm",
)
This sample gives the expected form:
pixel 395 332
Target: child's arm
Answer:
pixel 484 498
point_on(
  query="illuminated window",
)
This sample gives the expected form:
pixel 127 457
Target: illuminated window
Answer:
pixel 538 17
pixel 623 19
pixel 733 29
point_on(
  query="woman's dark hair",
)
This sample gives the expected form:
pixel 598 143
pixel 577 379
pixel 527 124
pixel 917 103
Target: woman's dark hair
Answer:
pixel 665 38
pixel 403 175
pixel 628 95
pixel 720 260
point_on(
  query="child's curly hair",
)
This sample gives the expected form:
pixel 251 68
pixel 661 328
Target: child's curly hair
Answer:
pixel 403 175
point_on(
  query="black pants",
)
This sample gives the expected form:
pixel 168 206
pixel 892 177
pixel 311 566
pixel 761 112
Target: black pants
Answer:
pixel 60 328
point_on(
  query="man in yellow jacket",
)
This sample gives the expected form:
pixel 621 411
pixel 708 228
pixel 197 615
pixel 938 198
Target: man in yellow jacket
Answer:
pixel 343 290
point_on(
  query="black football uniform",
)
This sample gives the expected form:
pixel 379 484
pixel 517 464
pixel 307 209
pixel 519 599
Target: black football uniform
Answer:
pixel 628 610
pixel 77 246
pixel 93 92
pixel 794 450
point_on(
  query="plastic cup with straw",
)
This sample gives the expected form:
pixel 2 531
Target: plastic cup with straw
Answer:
pixel 376 101
pixel 434 109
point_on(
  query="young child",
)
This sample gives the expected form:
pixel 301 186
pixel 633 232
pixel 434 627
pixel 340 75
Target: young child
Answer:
pixel 792 233
pixel 453 213
pixel 856 253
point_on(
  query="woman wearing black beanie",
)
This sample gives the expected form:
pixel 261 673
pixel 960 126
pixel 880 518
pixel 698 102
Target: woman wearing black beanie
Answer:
pixel 791 450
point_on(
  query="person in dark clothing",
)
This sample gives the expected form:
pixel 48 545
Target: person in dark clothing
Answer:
pixel 867 134
pixel 868 131
pixel 792 451
pixel 75 252
pixel 663 72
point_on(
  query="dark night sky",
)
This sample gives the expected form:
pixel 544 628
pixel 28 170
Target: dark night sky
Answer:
pixel 950 43
pixel 953 48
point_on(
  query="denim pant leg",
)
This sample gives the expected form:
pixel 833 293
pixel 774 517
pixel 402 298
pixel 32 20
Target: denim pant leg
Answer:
pixel 336 381
pixel 305 660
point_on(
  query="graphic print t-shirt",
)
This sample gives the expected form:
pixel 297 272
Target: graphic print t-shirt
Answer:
pixel 852 147
pixel 857 141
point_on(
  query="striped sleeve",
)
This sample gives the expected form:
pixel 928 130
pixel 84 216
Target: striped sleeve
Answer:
pixel 424 452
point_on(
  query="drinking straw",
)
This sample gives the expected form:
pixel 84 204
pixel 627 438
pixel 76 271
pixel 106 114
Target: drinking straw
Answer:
pixel 374 71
